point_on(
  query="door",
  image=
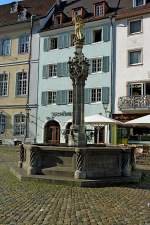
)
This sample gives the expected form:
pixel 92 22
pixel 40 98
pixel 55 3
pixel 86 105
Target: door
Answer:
pixel 52 133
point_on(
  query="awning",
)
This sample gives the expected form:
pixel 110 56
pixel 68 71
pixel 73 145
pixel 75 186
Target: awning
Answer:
pixel 141 121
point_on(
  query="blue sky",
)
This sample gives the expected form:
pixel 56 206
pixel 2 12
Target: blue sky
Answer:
pixel 5 1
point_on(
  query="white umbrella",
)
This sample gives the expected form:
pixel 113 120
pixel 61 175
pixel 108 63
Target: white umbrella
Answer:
pixel 141 121
pixel 99 119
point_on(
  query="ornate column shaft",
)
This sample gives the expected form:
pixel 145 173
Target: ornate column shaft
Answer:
pixel 78 67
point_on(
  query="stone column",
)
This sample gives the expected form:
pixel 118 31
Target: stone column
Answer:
pixel 78 68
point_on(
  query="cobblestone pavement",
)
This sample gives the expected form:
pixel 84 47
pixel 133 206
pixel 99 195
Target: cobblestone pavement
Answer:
pixel 32 203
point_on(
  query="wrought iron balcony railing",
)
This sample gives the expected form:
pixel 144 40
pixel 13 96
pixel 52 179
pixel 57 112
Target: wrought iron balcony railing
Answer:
pixel 134 102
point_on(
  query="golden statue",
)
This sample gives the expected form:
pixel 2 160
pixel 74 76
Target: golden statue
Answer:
pixel 79 24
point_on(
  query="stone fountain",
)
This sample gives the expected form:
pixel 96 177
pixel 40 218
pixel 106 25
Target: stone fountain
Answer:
pixel 78 161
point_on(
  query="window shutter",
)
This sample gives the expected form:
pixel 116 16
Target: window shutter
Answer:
pixel 44 100
pixel 90 66
pixel 46 44
pixel 87 96
pixel 66 40
pixel 65 69
pixel 61 98
pixel 106 64
pixel 88 36
pixel 60 42
pixel 45 71
pixel 106 33
pixel 60 69
pixel 105 95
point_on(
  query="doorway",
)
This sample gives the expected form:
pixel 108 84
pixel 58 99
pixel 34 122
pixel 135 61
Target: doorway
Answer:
pixel 52 133
pixel 99 134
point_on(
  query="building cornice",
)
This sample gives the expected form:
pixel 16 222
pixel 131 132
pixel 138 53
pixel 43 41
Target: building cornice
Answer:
pixel 30 106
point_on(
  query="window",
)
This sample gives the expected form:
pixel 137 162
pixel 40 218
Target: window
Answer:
pixel 139 89
pixel 5 47
pixel 52 70
pixel 136 89
pixel 97 35
pixel 3 84
pixel 54 43
pixel 22 15
pixel 135 26
pixel 135 57
pixel 96 65
pixel 99 9
pixel 77 12
pixel 14 7
pixel 96 95
pixel 19 124
pixel 2 123
pixel 138 2
pixel 21 84
pixel 24 44
pixel 51 97
pixel 70 99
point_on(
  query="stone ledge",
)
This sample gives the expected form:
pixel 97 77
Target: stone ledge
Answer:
pixel 103 182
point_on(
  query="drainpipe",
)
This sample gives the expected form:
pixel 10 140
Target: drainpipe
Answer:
pixel 29 74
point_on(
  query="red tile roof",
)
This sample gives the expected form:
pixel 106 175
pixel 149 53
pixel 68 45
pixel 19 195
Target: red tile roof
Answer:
pixel 39 8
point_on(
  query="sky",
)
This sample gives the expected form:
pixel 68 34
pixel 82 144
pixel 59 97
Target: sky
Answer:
pixel 5 1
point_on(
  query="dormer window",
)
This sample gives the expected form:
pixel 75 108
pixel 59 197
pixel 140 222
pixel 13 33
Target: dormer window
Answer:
pixel 137 3
pixel 80 11
pixel 59 18
pixel 14 7
pixel 22 15
pixel 99 9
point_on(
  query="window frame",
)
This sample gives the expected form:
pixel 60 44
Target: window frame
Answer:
pixel 94 30
pixel 21 93
pixel 97 100
pixel 5 51
pixel 97 71
pixel 52 70
pixel 70 96
pixel 99 4
pixel 135 5
pixel 129 26
pixel 23 45
pixel 52 38
pixel 4 83
pixel 52 98
pixel 135 50
pixel 3 122
pixel 21 125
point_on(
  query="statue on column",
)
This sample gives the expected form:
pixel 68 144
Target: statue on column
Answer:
pixel 79 24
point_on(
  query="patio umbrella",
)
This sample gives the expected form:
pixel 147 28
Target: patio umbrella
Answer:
pixel 99 119
pixel 141 121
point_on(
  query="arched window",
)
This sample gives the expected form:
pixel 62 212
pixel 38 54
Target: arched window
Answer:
pixel 2 123
pixel 19 124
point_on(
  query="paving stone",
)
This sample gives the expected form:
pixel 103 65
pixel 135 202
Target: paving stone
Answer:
pixel 32 203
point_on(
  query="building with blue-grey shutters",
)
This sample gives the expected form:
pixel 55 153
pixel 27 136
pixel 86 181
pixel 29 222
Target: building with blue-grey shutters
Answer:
pixel 55 87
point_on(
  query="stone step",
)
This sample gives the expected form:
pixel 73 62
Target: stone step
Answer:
pixel 59 171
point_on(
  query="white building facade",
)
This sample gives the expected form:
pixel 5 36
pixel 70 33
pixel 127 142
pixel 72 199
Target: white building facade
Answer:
pixel 132 87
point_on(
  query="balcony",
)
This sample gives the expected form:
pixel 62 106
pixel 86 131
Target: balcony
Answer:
pixel 127 103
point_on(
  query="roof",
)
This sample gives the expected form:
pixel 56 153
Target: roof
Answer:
pixel 39 8
pixel 67 6
pixel 118 8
